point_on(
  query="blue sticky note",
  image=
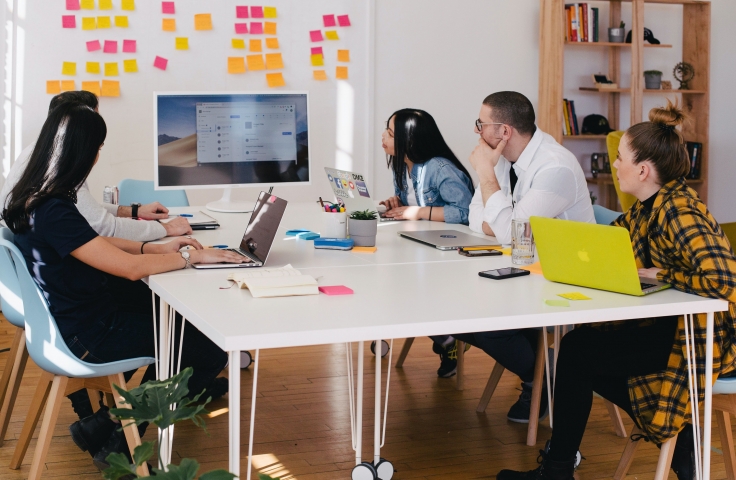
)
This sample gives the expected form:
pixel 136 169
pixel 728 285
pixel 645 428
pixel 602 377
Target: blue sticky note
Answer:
pixel 308 236
pixel 294 233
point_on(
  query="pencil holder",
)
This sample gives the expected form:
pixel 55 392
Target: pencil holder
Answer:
pixel 334 225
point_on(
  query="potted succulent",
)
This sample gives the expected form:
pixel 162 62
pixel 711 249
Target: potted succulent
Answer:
pixel 652 79
pixel 363 227
pixel 617 34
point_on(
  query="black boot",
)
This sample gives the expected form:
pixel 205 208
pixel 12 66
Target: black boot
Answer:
pixel 91 433
pixel 548 470
pixel 683 459
pixel 116 443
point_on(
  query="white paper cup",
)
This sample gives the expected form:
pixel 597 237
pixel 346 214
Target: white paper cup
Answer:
pixel 334 225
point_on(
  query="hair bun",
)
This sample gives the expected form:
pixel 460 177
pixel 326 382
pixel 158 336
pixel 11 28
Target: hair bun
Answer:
pixel 670 116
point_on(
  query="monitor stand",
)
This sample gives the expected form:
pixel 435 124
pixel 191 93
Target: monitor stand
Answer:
pixel 226 205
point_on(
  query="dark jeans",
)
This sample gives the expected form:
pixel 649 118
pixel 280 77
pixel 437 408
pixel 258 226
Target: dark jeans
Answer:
pixel 129 334
pixel 592 360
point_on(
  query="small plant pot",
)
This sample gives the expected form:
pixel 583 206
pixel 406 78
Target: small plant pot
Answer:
pixel 652 81
pixel 616 35
pixel 363 232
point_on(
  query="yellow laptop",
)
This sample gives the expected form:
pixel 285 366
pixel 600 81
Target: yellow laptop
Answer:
pixel 589 255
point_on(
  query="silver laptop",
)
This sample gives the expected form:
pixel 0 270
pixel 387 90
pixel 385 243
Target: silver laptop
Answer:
pixel 351 189
pixel 448 239
pixel 259 234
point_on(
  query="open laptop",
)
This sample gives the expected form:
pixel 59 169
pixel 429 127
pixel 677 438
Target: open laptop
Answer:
pixel 351 190
pixel 589 255
pixel 448 239
pixel 259 234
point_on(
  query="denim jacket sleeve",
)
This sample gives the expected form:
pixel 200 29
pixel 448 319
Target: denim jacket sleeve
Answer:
pixel 454 190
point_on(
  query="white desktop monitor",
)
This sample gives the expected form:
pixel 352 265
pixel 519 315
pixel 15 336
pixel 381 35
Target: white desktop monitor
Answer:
pixel 230 140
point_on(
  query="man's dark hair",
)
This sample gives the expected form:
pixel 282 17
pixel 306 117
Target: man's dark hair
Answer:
pixel 82 97
pixel 512 108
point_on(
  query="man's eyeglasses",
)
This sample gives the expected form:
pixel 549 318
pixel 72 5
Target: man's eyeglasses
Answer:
pixel 479 124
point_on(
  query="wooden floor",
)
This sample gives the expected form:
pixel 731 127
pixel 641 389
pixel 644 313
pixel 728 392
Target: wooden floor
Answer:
pixel 303 424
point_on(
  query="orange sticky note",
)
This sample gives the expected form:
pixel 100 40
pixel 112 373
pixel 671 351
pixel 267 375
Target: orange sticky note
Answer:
pixel 255 62
pixel 318 60
pixel 269 12
pixel 320 75
pixel 103 22
pixel 130 66
pixel 68 86
pixel 238 43
pixel 203 21
pixel 93 87
pixel 341 73
pixel 93 67
pixel 168 25
pixel 69 68
pixel 87 4
pixel 274 61
pixel 89 23
pixel 235 65
pixel 269 28
pixel 110 88
pixel 53 87
pixel 105 4
pixel 331 35
pixel 275 80
pixel 111 69
pixel 182 43
pixel 128 5
pixel 256 45
pixel 272 43
pixel 343 55
pixel 121 21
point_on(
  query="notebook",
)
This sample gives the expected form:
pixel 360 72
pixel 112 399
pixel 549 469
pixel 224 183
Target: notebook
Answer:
pixel 275 282
pixel 197 220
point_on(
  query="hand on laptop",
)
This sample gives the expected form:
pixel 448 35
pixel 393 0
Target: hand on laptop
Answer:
pixel 177 226
pixel 216 255
pixel 404 213
pixel 153 211
pixel 391 203
pixel 649 272
pixel 173 246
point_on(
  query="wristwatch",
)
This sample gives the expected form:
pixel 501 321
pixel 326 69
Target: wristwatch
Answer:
pixel 134 211
pixel 185 256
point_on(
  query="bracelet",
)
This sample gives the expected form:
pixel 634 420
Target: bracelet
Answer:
pixel 430 213
pixel 142 246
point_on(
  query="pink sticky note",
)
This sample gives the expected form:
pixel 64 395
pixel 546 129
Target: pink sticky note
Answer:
pixel 160 62
pixel 93 45
pixel 129 46
pixel 168 7
pixel 336 290
pixel 317 51
pixel 241 11
pixel 256 12
pixel 329 20
pixel 68 21
pixel 256 28
pixel 241 28
pixel 343 20
pixel 316 35
pixel 111 46
pixel 72 4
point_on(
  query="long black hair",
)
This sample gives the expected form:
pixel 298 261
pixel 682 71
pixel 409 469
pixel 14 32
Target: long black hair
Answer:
pixel 417 137
pixel 64 154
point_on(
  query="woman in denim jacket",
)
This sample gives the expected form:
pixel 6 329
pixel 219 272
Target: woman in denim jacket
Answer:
pixel 429 181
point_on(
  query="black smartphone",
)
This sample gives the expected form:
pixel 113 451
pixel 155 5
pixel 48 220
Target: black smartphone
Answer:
pixel 501 273
pixel 479 253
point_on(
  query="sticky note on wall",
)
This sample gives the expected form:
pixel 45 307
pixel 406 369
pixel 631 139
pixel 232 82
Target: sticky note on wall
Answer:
pixel 130 66
pixel 203 21
pixel 275 80
pixel 103 22
pixel 68 21
pixel 93 45
pixel 93 87
pixel 68 86
pixel 269 28
pixel 256 28
pixel 111 69
pixel 343 20
pixel 105 4
pixel 343 55
pixel 317 51
pixel 255 62
pixel 72 4
pixel 238 43
pixel 121 21
pixel 168 24
pixel 270 12
pixel 93 67
pixel 168 8
pixel 318 60
pixel 331 35
pixel 319 75
pixel 274 61
pixel 316 35
pixel 87 4
pixel 69 68
pixel 127 5
pixel 272 43
pixel 160 62
pixel 341 73
pixel 129 46
pixel 256 12
pixel 329 20
pixel 241 11
pixel 53 87
pixel 111 46
pixel 89 23
pixel 256 45
pixel 182 43
pixel 110 88
pixel 235 65
pixel 241 28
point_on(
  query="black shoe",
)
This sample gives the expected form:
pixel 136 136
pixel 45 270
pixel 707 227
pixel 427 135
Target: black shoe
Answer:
pixel 448 362
pixel 115 444
pixel 683 458
pixel 217 389
pixel 519 412
pixel 91 433
pixel 547 470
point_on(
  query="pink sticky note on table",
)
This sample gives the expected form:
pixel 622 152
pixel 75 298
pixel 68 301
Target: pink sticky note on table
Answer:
pixel 160 62
pixel 256 12
pixel 93 45
pixel 317 51
pixel 241 11
pixel 329 20
pixel 111 46
pixel 72 4
pixel 316 35
pixel 336 290
pixel 168 7
pixel 343 20
pixel 129 46
pixel 68 21
pixel 241 28
pixel 256 28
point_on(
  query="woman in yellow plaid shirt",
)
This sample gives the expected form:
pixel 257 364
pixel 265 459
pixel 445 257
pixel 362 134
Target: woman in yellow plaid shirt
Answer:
pixel 641 365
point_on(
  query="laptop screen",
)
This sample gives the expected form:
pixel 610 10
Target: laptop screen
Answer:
pixel 263 224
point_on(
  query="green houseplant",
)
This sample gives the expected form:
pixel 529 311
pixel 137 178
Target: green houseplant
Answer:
pixel 363 227
pixel 652 79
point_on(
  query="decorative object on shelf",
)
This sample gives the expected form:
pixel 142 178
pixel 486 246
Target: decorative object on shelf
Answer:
pixel 652 79
pixel 571 119
pixel 648 37
pixel 617 34
pixel 594 165
pixel 605 163
pixel 694 151
pixel 683 73
pixel 666 85
pixel 602 82
pixel 596 124
pixel 582 23
pixel 363 227
pixel 593 198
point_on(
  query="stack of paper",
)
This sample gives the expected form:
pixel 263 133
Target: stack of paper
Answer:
pixel 275 282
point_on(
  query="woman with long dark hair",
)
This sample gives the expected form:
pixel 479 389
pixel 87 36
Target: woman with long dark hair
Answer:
pixel 430 183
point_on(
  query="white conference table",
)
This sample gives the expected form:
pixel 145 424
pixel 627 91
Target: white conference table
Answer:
pixel 405 289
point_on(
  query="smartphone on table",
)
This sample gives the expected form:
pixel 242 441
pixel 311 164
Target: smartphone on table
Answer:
pixel 501 273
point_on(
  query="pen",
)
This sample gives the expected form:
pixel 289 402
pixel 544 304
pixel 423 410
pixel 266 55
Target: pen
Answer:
pixel 217 246
pixel 189 215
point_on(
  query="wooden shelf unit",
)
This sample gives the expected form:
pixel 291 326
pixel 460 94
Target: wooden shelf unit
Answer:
pixel 696 26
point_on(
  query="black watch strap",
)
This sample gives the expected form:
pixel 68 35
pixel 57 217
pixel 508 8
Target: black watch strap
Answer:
pixel 134 209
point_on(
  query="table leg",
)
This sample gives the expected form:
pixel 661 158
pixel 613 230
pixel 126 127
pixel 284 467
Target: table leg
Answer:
pixel 377 419
pixel 359 408
pixel 253 413
pixel 708 407
pixel 234 412
pixel 163 373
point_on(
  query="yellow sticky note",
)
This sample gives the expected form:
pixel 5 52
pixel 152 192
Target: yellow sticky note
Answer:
pixel 121 21
pixel 343 55
pixel 557 303
pixel 320 75
pixel 238 43
pixel 272 43
pixel 203 21
pixel 360 249
pixel 256 45
pixel 573 296
pixel 275 80
pixel 274 61
pixel 87 4
pixel 130 66
pixel 269 28
pixel 105 4
pixel 89 23
pixel 111 69
pixel 533 268
pixel 318 60
pixel 103 22
pixel 93 87
pixel 110 88
pixel 93 67
pixel 168 25
pixel 255 62
pixel 128 5
pixel 235 65
pixel 68 86
pixel 182 43
pixel 331 35
pixel 53 87
pixel 269 12
pixel 69 68
pixel 341 73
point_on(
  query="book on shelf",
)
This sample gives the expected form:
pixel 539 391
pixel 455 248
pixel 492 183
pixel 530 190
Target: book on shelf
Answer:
pixel 695 152
pixel 582 22
pixel 570 125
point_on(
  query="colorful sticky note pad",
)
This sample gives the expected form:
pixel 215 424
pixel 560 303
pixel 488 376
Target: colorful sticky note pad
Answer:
pixel 256 28
pixel 335 290
pixel 72 4
pixel 103 22
pixel 343 55
pixel 274 61
pixel 168 8
pixel 275 80
pixel 269 28
pixel 93 67
pixel 105 4
pixel 111 69
pixel 87 4
pixel 241 11
pixel 93 45
pixel 272 43
pixel 235 65
pixel 160 63
pixel 53 87
pixel 110 88
pixel 93 87
pixel 270 12
pixel 89 23
pixel 168 25
pixel 318 60
pixel 363 249
pixel 256 45
pixel 129 46
pixel 316 35
pixel 256 12
pixel 182 43
pixel 341 73
pixel 68 21
pixel 317 51
pixel 255 62
pixel 332 35
pixel 203 21
pixel 343 20
pixel 241 28
pixel 128 5
pixel 69 68
pixel 111 46
pixel 68 86
pixel 238 43
pixel 329 20
pixel 557 303
pixel 130 66
pixel 574 296
pixel 121 21
pixel 321 75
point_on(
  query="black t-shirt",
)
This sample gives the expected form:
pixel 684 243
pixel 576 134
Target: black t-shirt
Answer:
pixel 648 204
pixel 78 294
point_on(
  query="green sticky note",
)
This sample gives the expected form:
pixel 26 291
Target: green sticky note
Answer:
pixel 573 296
pixel 557 303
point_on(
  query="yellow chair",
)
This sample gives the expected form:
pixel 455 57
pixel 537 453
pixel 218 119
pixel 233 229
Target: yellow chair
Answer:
pixel 612 140
pixel 730 230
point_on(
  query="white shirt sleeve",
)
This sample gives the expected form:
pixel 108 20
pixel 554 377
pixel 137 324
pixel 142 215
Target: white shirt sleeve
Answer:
pixel 112 209
pixel 475 215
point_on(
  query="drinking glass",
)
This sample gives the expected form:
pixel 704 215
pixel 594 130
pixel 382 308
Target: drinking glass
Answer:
pixel 522 242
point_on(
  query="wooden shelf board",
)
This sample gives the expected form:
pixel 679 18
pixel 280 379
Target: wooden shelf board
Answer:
pixel 670 2
pixel 628 90
pixel 584 136
pixel 683 92
pixel 614 44
pixel 605 90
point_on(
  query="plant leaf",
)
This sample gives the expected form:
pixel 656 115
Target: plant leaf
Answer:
pixel 186 470
pixel 142 453
pixel 263 476
pixel 119 467
pixel 221 475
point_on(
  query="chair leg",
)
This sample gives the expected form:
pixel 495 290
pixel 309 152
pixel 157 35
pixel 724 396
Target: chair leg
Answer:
pixel 490 387
pixel 58 386
pixel 34 414
pixel 531 434
pixel 724 429
pixel 12 376
pixel 94 399
pixel 404 352
pixel 665 459
pixel 131 432
pixel 109 400
pixel 618 423
pixel 627 457
pixel 460 366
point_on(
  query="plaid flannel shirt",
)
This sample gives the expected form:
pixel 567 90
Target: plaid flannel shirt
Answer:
pixel 687 243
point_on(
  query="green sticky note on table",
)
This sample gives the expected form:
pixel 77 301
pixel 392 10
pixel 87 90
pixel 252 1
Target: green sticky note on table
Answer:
pixel 557 303
pixel 574 296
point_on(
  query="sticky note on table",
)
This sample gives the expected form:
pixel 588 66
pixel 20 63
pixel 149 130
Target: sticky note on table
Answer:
pixel 89 23
pixel 331 35
pixel 93 87
pixel 68 86
pixel 111 46
pixel 128 5
pixel 129 46
pixel 256 28
pixel 365 249
pixel 111 69
pixel 168 8
pixel 238 43
pixel 336 290
pixel 121 21
pixel 329 20
pixel 68 21
pixel 103 22
pixel 87 4
pixel 316 35
pixel 274 61
pixel 308 235
pixel 168 24
pixel 182 43
pixel 343 55
pixel 534 268
pixel 110 88
pixel 573 296
pixel 160 63
pixel 241 28
pixel 235 65
pixel 341 73
pixel 270 12
pixel 255 45
pixel 105 4
pixel 93 45
pixel 297 231
pixel 343 20
pixel 130 66
pixel 256 12
pixel 255 62
pixel 72 4
pixel 557 303
pixel 318 60
pixel 69 68
pixel 241 11
pixel 269 28
pixel 93 67
pixel 276 80
pixel 272 43
pixel 321 75
pixel 53 87
pixel 203 21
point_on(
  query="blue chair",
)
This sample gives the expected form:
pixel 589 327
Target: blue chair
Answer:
pixel 604 216
pixel 63 373
pixel 142 191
